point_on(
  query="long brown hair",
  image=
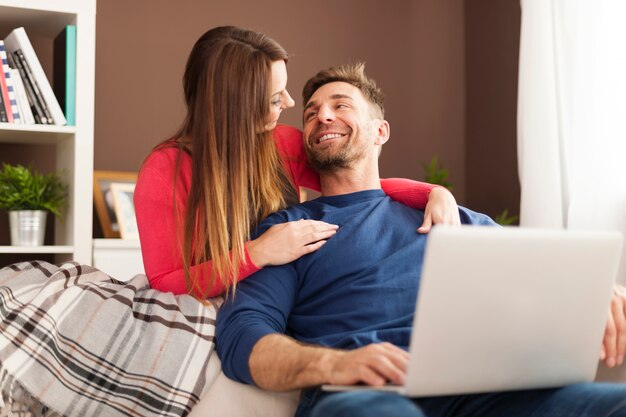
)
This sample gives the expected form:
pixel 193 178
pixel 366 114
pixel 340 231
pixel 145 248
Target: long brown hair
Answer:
pixel 237 176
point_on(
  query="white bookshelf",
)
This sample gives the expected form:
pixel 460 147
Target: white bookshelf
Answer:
pixel 73 144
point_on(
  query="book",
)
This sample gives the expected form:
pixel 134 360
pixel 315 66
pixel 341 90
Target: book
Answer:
pixel 17 41
pixel 46 118
pixel 23 102
pixel 7 114
pixel 64 78
pixel 12 108
pixel 3 111
pixel 31 89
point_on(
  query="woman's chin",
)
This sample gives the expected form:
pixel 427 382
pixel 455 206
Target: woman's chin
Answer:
pixel 271 126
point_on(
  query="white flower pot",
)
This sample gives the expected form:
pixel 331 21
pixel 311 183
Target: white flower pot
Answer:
pixel 28 227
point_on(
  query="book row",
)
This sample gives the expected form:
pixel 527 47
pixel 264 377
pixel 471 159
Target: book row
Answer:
pixel 26 95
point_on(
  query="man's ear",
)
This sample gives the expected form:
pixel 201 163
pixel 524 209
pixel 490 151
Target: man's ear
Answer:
pixel 382 132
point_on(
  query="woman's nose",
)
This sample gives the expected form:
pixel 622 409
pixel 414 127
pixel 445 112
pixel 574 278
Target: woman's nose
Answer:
pixel 288 102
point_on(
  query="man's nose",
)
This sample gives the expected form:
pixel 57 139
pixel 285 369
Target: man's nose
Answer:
pixel 325 114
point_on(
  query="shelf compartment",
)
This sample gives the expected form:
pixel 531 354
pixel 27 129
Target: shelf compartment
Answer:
pixel 39 19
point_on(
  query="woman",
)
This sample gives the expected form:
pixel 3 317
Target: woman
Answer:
pixel 201 193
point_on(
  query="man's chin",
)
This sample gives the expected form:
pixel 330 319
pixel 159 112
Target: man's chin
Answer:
pixel 328 164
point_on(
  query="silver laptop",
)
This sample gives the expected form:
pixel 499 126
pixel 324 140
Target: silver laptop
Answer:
pixel 508 308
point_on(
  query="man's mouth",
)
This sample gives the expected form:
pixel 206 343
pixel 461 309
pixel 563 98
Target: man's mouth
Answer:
pixel 329 136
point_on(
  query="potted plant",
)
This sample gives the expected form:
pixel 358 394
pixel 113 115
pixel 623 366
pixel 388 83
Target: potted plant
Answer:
pixel 434 173
pixel 28 196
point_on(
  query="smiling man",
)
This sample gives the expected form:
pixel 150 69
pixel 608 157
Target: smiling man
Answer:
pixel 347 116
pixel 343 314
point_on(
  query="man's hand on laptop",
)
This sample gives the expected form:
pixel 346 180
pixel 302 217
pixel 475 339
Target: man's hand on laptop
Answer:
pixel 614 343
pixel 303 365
pixel 375 364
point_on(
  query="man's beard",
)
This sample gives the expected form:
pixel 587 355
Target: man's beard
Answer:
pixel 335 157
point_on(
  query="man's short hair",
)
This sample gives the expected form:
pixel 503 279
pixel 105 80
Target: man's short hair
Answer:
pixel 352 74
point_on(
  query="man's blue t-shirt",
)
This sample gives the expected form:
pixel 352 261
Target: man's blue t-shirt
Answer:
pixel 359 288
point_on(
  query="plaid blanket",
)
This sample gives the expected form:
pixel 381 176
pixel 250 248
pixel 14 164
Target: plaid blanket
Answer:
pixel 76 342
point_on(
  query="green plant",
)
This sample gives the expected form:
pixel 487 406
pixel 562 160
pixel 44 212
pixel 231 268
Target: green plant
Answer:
pixel 23 188
pixel 436 174
pixel 504 219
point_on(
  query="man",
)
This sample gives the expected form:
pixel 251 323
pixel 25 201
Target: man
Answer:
pixel 348 307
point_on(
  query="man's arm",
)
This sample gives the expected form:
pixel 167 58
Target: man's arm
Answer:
pixel 280 363
pixel 259 306
pixel 253 348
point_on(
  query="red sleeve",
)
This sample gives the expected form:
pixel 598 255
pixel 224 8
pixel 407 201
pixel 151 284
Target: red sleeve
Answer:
pixel 408 192
pixel 289 143
pixel 154 209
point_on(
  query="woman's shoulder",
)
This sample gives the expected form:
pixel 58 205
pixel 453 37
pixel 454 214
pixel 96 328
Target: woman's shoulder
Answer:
pixel 165 155
pixel 161 164
pixel 288 140
pixel 287 132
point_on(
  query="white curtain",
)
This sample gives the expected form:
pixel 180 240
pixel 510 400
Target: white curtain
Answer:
pixel 572 115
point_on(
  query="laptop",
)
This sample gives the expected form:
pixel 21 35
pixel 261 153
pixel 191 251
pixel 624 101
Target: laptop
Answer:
pixel 508 308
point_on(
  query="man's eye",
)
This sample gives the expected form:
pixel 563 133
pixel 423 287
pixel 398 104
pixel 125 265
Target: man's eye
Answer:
pixel 309 115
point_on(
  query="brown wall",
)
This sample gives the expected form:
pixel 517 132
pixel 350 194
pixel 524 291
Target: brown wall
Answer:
pixel 435 103
pixel 414 49
pixel 492 50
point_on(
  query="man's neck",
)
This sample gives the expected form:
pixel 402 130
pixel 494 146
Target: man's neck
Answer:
pixel 349 180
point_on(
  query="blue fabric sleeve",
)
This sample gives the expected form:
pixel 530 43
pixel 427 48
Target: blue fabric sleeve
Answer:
pixel 275 218
pixel 261 306
pixel 471 217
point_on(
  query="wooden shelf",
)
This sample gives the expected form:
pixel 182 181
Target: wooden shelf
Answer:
pixel 35 134
pixel 37 249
